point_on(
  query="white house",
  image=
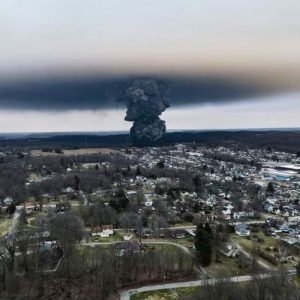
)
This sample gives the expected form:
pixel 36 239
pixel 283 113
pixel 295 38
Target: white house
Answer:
pixel 241 230
pixel 103 231
pixel 148 202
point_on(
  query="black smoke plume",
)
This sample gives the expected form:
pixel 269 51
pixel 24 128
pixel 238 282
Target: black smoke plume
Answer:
pixel 145 101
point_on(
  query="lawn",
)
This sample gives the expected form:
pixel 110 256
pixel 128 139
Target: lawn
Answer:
pixel 156 295
pixel 5 223
pixel 167 294
pixel 266 245
pixel 228 266
pixel 90 250
pixel 158 247
pixel 187 241
pixel 296 281
pixel 265 241
pixel 183 224
pixel 162 247
pixel 32 217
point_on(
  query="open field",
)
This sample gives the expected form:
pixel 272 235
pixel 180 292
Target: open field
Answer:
pixel 81 151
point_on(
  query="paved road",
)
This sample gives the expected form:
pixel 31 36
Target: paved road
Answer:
pixel 185 249
pixel 249 222
pixel 126 294
pixel 14 223
pixel 13 227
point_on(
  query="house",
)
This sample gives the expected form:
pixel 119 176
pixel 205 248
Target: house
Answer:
pixel 144 232
pixel 229 251
pixel 240 215
pixel 29 208
pixel 227 209
pixel 148 202
pixel 241 230
pixel 131 194
pixel 285 228
pixel 271 222
pixel 294 231
pixel 7 201
pixel 32 234
pixel 60 208
pixel 211 201
pixel 290 240
pixel 127 237
pixel 268 207
pixel 68 190
pixel 126 247
pixel 179 233
pixel 103 231
pixel 49 251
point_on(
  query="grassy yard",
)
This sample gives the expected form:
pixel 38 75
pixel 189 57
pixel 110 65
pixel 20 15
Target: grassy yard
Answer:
pixel 266 244
pixel 32 217
pixel 90 250
pixel 187 241
pixel 166 294
pixel 296 281
pixel 264 241
pixel 156 295
pixel 5 223
pixel 182 224
pixel 159 247
pixel 228 267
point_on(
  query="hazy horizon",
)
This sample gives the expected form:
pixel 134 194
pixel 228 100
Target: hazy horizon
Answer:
pixel 229 64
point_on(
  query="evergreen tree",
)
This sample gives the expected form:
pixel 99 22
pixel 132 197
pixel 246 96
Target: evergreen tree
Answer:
pixel 138 171
pixel 270 188
pixel 203 246
pixel 207 228
pixel 298 269
pixel 76 183
pixel 11 208
pixel 160 164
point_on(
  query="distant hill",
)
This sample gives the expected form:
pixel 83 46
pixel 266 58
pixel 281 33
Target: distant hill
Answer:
pixel 282 140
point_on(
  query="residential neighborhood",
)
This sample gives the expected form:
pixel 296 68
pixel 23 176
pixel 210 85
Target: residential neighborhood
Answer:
pixel 165 202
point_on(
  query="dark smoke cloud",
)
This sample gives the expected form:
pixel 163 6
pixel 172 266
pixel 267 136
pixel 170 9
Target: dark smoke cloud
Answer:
pixel 96 92
pixel 145 101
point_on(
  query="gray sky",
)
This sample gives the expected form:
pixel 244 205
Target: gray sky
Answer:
pixel 281 111
pixel 256 41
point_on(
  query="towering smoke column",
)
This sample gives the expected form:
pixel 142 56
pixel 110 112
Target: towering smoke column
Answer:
pixel 145 101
